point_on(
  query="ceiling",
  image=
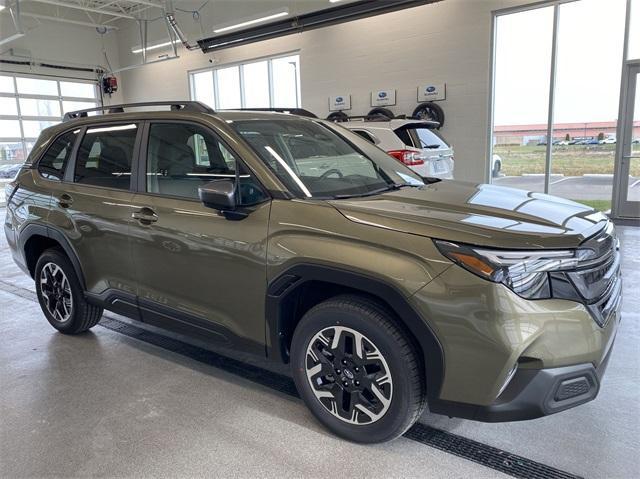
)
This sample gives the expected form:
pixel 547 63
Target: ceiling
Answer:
pixel 117 14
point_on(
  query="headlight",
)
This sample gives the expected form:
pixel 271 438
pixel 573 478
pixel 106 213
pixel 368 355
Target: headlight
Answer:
pixel 525 272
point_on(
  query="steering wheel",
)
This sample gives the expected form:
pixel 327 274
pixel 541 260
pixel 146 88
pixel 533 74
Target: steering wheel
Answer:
pixel 332 171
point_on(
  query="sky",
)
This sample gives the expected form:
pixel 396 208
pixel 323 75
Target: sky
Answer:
pixel 590 42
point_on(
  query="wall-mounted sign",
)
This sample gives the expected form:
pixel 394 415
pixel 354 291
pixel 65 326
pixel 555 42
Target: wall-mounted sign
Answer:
pixel 432 92
pixel 383 98
pixel 340 102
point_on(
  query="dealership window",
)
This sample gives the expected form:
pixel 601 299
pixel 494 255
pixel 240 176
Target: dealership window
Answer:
pixel 556 89
pixel 272 82
pixel 28 105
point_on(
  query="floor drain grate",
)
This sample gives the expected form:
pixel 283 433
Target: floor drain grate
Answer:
pixel 469 449
pixel 516 466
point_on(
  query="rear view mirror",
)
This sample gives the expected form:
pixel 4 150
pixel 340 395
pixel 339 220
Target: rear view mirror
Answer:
pixel 219 194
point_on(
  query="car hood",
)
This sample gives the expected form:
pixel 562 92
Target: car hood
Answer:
pixel 479 214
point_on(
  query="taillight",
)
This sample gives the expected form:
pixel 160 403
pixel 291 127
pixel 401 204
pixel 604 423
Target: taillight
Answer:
pixel 408 157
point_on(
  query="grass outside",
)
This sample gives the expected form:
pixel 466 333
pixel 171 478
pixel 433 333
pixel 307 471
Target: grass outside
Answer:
pixel 570 160
pixel 600 205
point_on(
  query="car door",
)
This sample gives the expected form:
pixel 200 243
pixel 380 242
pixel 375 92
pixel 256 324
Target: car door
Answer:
pixel 92 207
pixel 199 271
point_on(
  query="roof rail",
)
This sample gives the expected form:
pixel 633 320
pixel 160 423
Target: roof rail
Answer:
pixel 291 111
pixel 175 105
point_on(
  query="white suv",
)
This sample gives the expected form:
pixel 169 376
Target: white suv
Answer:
pixel 416 143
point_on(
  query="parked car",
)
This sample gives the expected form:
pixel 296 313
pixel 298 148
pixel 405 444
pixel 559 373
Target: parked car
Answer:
pixel 416 143
pixel 607 141
pixel 9 171
pixel 298 240
pixel 563 143
pixel 590 141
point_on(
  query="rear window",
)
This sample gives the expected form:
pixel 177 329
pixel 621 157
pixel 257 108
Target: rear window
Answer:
pixel 421 137
pixel 53 163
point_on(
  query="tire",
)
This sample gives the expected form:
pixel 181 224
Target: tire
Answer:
pixel 382 112
pixel 55 277
pixel 338 116
pixel 399 375
pixel 429 111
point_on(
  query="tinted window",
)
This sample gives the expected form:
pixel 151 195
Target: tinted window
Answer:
pixel 183 157
pixel 421 137
pixel 366 135
pixel 54 162
pixel 104 156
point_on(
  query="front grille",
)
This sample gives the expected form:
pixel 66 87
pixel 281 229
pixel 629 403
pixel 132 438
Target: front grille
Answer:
pixel 598 280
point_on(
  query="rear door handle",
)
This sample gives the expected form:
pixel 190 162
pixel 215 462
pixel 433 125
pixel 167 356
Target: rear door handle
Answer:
pixel 65 200
pixel 146 216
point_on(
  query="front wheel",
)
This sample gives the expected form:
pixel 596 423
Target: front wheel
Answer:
pixel 357 371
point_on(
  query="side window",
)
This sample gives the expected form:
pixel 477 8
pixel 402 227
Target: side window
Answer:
pixel 54 162
pixel 366 135
pixel 183 157
pixel 105 155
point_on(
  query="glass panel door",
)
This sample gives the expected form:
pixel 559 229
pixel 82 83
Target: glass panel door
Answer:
pixel 521 98
pixel 630 166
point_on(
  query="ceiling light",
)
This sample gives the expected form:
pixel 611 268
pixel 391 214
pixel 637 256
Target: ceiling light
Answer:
pixel 283 13
pixel 334 1
pixel 1 7
pixel 153 47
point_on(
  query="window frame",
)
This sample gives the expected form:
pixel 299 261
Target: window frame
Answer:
pixel 141 181
pixel 69 175
pixel 239 65
pixel 58 97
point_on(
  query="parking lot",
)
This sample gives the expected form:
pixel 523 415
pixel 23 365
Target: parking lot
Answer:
pixel 586 187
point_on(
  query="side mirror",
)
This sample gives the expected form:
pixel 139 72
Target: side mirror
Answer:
pixel 219 194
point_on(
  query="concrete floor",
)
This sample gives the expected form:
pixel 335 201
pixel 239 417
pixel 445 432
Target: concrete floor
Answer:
pixel 103 404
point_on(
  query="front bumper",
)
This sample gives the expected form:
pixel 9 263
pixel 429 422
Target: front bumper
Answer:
pixel 533 393
pixel 560 352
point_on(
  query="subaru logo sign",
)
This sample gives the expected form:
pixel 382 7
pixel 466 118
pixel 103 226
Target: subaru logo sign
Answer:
pixel 339 99
pixel 382 94
pixel 431 89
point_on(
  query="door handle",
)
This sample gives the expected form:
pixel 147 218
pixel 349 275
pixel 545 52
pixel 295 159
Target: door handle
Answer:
pixel 65 200
pixel 146 216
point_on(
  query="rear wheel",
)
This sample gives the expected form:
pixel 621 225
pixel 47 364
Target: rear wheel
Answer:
pixel 60 294
pixel 357 371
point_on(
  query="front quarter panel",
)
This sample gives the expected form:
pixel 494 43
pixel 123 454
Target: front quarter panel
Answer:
pixel 310 232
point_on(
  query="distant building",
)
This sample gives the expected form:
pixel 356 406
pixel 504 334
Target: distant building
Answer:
pixel 526 134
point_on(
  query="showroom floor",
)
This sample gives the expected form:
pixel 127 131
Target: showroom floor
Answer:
pixel 108 404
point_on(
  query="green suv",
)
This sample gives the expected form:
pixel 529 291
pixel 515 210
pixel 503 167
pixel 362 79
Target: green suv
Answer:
pixel 297 240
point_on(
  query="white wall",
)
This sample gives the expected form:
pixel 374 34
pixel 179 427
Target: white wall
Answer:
pixel 58 43
pixel 448 41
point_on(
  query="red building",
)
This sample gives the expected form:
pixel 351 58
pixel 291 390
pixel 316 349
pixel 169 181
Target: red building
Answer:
pixel 524 134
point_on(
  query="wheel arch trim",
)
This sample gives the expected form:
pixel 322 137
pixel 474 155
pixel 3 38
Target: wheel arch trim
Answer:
pixel 52 233
pixel 288 281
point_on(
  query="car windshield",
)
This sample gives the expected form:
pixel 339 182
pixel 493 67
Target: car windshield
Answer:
pixel 319 160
